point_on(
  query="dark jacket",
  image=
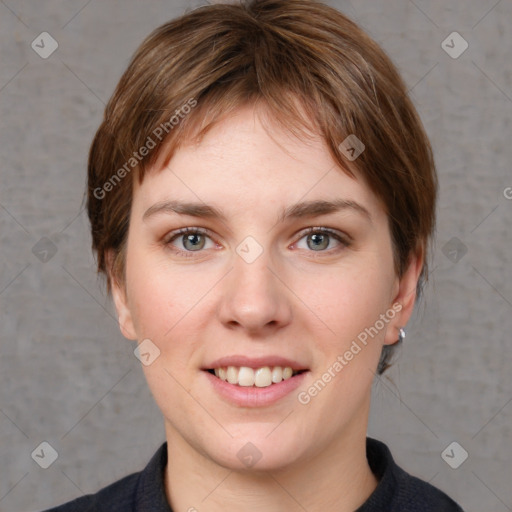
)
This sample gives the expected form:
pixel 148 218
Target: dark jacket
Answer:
pixel 397 491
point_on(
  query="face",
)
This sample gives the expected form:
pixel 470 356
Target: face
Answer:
pixel 266 284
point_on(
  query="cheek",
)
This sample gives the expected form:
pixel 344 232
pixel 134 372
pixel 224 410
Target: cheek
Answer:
pixel 346 300
pixel 168 307
pixel 160 296
pixel 350 308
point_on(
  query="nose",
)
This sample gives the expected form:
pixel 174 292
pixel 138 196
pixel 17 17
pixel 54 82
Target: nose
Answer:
pixel 254 297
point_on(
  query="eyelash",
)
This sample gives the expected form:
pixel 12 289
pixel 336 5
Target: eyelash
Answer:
pixel 344 241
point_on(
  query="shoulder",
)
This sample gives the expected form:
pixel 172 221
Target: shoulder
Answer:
pixel 129 494
pixel 119 495
pixel 423 496
pixel 398 491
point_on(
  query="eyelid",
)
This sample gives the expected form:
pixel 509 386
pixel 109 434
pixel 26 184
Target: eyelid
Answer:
pixel 324 229
pixel 187 231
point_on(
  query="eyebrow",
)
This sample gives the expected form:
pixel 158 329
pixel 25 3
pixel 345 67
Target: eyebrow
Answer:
pixel 306 209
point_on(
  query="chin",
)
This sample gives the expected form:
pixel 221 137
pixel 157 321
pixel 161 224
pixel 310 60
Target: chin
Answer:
pixel 250 460
pixel 258 452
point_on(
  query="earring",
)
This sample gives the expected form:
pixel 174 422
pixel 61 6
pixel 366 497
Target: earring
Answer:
pixel 401 334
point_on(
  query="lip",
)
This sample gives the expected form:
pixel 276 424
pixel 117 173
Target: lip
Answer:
pixel 242 396
pixel 255 362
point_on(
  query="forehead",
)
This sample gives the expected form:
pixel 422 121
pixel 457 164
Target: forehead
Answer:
pixel 248 161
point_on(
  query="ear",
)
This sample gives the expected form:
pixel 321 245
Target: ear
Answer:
pixel 405 296
pixel 119 295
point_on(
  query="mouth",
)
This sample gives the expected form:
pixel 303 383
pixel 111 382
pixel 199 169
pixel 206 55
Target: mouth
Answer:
pixel 262 377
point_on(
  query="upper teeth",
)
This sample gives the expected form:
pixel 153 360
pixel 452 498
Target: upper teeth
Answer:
pixel 260 377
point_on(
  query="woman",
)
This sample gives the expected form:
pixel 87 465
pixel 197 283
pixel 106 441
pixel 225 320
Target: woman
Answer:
pixel 262 196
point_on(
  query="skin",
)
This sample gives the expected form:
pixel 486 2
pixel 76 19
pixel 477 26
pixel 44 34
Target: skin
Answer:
pixel 296 300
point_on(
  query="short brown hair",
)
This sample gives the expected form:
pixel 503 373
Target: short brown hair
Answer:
pixel 218 58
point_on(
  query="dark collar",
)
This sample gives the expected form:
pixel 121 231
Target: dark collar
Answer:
pixel 150 493
pixel 384 468
pixel 396 490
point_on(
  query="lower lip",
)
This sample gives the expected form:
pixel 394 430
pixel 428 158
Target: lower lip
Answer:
pixel 251 396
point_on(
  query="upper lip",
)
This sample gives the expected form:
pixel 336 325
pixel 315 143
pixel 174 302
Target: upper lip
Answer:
pixel 254 362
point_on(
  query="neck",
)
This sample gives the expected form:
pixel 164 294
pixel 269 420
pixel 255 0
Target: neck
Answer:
pixel 337 478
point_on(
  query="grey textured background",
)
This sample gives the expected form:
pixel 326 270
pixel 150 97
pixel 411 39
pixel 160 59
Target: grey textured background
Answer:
pixel 68 377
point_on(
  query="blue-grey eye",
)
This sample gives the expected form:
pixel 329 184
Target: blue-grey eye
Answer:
pixel 319 240
pixel 193 240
